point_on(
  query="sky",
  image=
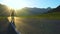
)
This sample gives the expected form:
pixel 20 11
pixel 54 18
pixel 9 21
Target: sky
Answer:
pixel 31 3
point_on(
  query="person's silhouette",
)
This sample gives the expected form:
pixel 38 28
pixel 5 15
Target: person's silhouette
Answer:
pixel 12 16
pixel 11 27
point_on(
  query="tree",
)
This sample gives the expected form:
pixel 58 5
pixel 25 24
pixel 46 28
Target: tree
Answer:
pixel 4 11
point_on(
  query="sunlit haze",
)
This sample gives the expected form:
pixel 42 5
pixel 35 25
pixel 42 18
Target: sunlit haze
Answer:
pixel 17 4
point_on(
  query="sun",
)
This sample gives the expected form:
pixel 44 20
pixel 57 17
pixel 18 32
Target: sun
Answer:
pixel 15 4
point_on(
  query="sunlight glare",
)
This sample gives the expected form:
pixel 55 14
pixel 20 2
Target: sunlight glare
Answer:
pixel 16 4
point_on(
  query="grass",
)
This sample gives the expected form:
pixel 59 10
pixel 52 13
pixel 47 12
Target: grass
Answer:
pixel 52 15
pixel 38 26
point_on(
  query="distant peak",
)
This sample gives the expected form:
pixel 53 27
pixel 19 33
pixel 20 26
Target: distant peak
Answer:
pixel 58 6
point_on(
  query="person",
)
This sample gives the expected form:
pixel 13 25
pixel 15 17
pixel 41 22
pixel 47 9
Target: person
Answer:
pixel 12 16
pixel 11 28
pixel 7 27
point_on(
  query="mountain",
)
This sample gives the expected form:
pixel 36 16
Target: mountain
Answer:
pixel 57 9
pixel 52 14
pixel 32 11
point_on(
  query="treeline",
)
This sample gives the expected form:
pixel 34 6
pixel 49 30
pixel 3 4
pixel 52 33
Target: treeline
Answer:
pixel 5 11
